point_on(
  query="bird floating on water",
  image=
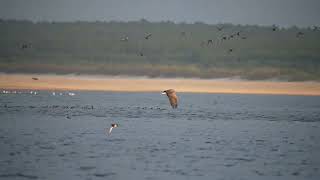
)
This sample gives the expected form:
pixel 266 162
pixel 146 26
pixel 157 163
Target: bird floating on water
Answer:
pixel 113 125
pixel 173 98
pixel 71 94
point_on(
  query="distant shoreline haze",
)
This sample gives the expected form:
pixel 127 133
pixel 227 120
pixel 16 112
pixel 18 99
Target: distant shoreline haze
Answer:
pixel 143 20
pixel 284 13
pixel 195 50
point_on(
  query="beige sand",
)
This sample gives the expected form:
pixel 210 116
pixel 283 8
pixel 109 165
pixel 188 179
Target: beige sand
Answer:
pixel 105 83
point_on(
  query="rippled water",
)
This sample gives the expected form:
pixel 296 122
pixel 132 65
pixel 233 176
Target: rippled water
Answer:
pixel 209 136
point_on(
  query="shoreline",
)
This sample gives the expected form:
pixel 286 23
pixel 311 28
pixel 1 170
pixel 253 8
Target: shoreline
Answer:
pixel 144 84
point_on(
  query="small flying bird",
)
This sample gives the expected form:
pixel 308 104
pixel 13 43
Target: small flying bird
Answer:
pixel 274 28
pixel 125 39
pixel 141 54
pixel 299 34
pixel 113 126
pixel 220 28
pixel 34 78
pixel 224 38
pixel 148 36
pixel 173 98
pixel 25 46
pixel 238 33
pixel 230 50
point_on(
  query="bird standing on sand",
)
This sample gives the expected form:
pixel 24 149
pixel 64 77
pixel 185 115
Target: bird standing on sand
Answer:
pixel 173 98
pixel 34 78
pixel 113 126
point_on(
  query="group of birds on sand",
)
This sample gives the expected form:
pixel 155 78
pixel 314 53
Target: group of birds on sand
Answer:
pixel 173 99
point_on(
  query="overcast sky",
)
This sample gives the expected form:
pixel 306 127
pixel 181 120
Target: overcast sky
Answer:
pixel 262 12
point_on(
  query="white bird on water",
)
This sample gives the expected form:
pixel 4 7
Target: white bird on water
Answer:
pixel 71 94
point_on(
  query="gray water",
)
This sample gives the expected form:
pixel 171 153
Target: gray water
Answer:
pixel 209 136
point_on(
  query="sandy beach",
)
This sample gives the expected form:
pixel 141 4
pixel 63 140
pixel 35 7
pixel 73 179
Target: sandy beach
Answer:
pixel 140 84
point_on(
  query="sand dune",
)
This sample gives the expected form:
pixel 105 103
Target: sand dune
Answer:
pixel 129 84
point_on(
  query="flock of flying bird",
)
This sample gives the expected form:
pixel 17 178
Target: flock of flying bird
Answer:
pixel 171 94
pixel 209 42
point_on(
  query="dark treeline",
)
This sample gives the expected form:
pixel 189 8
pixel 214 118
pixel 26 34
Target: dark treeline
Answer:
pixel 172 50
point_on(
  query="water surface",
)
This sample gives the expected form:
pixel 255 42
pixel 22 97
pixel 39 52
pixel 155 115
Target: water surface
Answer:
pixel 209 136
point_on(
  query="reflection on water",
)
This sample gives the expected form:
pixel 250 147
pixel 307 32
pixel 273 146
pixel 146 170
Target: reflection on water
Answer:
pixel 46 136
